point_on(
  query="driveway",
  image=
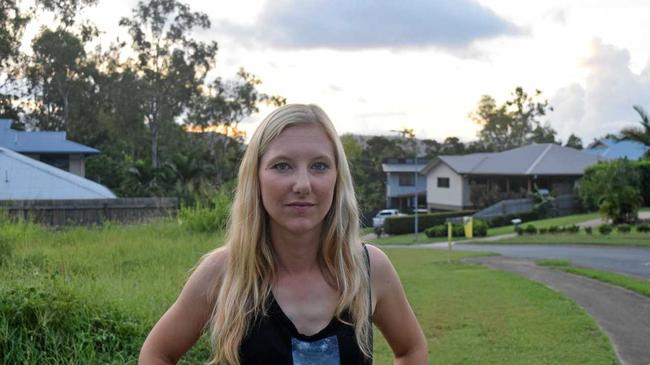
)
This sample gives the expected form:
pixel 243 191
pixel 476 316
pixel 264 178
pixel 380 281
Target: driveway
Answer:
pixel 624 260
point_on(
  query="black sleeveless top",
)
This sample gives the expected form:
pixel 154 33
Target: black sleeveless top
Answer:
pixel 273 339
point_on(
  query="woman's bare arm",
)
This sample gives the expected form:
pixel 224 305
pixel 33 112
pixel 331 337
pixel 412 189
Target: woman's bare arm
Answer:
pixel 181 326
pixel 393 314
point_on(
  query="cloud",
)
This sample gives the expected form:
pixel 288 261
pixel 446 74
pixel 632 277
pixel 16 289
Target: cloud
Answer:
pixel 368 24
pixel 604 104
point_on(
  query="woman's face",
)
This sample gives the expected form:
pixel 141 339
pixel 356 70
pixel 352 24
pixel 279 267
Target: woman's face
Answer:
pixel 297 175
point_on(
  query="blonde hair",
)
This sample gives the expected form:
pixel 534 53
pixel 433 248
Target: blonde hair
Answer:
pixel 251 269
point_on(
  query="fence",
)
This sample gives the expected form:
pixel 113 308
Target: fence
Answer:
pixel 90 211
pixel 562 205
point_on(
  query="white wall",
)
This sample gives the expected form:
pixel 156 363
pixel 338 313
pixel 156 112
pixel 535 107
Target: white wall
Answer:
pixel 441 198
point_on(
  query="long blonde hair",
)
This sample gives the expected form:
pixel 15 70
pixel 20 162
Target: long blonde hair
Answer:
pixel 246 284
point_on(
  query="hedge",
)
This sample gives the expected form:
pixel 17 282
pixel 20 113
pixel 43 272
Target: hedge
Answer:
pixel 403 224
pixel 479 228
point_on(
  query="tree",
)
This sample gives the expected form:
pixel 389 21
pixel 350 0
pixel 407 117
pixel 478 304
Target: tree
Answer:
pixel 12 25
pixel 574 142
pixel 57 67
pixel 543 134
pixel 514 123
pixel 614 188
pixel 171 64
pixel 227 103
pixel 639 134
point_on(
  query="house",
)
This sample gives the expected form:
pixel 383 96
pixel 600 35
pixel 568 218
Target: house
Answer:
pixel 51 148
pixel 24 178
pixel 401 183
pixel 461 182
pixel 632 150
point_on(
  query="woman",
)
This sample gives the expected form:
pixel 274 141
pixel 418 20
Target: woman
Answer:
pixel 293 284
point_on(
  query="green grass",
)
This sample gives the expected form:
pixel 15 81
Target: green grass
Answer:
pixel 637 285
pixel 581 238
pixel 545 223
pixel 474 315
pixel 469 314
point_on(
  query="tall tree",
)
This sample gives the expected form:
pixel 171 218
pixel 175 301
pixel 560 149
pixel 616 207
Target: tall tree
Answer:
pixel 171 64
pixel 574 142
pixel 514 123
pixel 12 25
pixel 542 134
pixel 227 103
pixel 58 65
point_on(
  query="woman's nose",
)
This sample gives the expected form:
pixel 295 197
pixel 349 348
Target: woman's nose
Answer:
pixel 302 184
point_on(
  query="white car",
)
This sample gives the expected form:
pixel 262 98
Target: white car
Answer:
pixel 378 220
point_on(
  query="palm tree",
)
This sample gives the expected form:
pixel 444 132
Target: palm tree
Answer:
pixel 639 134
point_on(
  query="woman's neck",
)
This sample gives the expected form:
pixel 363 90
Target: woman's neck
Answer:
pixel 296 254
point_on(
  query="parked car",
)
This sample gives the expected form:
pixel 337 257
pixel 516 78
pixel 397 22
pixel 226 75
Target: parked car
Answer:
pixel 378 220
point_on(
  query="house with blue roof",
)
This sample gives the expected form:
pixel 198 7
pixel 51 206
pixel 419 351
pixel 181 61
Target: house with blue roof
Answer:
pixel 613 149
pixel 403 181
pixel 52 148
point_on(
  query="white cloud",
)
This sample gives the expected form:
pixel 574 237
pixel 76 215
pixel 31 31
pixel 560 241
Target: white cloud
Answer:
pixel 364 24
pixel 604 104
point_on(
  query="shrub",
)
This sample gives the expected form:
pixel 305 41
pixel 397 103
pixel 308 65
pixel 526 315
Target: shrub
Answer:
pixel 530 229
pixel 573 228
pixel 519 231
pixel 624 228
pixel 480 228
pixel 543 230
pixel 436 231
pixel 403 224
pixel 614 187
pixel 211 217
pixel 52 326
pixel 553 229
pixel 458 230
pixel 605 229
pixel 588 230
pixel 643 227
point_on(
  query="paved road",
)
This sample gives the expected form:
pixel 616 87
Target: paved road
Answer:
pixel 623 315
pixel 625 260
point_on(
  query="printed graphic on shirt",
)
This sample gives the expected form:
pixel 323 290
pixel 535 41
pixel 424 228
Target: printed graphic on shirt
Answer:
pixel 321 352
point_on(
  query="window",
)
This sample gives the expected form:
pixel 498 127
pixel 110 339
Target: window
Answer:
pixel 406 179
pixel 443 182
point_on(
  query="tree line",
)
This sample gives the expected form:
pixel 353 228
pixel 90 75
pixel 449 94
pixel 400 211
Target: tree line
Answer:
pixel 137 101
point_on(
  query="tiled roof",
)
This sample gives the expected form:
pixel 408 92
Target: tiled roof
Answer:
pixel 632 150
pixel 534 159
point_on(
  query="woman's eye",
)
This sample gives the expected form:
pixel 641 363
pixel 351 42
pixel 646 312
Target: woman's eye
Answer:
pixel 320 166
pixel 281 166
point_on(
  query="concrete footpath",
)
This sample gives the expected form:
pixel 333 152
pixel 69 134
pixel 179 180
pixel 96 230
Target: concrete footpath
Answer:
pixel 623 315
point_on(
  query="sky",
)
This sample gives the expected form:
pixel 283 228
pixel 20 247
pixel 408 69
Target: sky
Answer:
pixel 380 65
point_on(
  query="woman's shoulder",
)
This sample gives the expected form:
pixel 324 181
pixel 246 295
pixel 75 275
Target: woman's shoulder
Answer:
pixel 379 262
pixel 209 272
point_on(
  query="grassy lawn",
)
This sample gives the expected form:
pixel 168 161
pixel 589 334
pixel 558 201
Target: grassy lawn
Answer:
pixel 637 285
pixel 545 223
pixel 581 238
pixel 407 239
pixel 469 314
